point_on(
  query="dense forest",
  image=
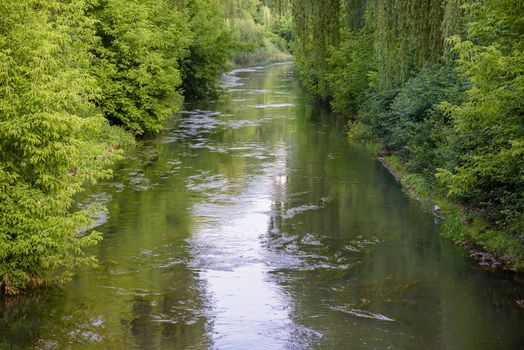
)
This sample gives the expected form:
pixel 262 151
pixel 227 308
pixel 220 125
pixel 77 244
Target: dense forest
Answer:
pixel 79 79
pixel 437 87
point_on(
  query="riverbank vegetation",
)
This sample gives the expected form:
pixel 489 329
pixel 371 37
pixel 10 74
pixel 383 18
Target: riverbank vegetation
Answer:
pixel 264 30
pixel 439 85
pixel 79 79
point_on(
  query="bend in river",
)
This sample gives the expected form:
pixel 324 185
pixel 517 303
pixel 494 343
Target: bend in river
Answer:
pixel 250 223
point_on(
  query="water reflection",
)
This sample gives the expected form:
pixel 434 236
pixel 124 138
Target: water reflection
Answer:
pixel 246 310
pixel 250 223
pixel 365 267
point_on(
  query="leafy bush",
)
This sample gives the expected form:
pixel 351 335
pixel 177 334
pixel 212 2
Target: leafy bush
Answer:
pixel 136 62
pixel 489 123
pixel 209 52
pixel 360 132
pixel 49 148
pixel 283 27
pixel 410 123
pixel 418 129
pixel 348 71
pixel 376 111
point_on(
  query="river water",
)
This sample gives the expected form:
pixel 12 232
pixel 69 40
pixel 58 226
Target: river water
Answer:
pixel 251 223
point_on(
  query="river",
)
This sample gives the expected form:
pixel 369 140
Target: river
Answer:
pixel 251 223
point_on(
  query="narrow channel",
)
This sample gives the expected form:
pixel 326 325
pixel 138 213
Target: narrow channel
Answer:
pixel 251 223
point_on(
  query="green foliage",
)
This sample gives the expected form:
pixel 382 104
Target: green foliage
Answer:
pixel 348 71
pixel 440 83
pixel 209 53
pixel 64 66
pixel 258 44
pixel 317 30
pixel 262 29
pixel 407 37
pixel 362 133
pixel 283 27
pixel 414 128
pixel 395 38
pixel 47 145
pixel 489 124
pixel 137 61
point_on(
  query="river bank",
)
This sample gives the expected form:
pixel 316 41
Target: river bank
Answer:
pixel 492 248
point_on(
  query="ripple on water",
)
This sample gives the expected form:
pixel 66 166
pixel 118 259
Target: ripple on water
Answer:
pixel 194 125
pixel 290 213
pixel 309 252
pixel 196 121
pixel 162 257
pixel 46 344
pixel 118 186
pixel 135 292
pixel 244 70
pixel 251 91
pixel 206 183
pixel 88 332
pixel 168 169
pixel 99 201
pixel 362 313
pixel 240 123
pixel 229 80
pixel 272 105
pixel 139 182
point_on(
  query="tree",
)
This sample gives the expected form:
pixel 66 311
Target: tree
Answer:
pixel 136 65
pixel 48 140
pixel 209 52
pixel 489 123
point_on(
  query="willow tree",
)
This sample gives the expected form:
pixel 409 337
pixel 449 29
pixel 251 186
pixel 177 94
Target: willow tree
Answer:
pixel 351 63
pixel 317 28
pixel 408 36
pixel 262 30
pixel 234 9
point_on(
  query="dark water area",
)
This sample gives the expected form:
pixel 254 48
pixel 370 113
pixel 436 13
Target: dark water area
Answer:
pixel 251 223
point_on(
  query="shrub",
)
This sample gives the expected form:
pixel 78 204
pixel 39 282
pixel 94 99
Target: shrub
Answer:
pixel 136 62
pixel 488 124
pixel 348 71
pixel 209 52
pixel 49 148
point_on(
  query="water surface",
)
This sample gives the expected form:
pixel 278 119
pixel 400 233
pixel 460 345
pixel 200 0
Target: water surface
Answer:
pixel 251 223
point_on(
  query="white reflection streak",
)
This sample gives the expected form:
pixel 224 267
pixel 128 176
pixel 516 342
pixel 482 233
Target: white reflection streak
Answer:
pixel 247 310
